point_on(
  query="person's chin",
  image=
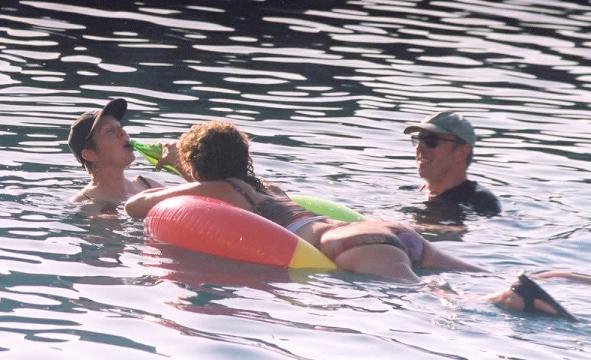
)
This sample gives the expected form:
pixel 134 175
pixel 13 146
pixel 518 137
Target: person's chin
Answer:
pixel 130 158
pixel 129 151
pixel 423 171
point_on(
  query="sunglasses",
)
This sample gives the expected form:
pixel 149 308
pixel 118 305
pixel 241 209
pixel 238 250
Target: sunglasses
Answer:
pixel 432 141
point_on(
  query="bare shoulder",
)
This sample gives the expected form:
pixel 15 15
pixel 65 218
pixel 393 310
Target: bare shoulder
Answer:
pixel 232 192
pixel 81 196
pixel 274 189
pixel 207 188
pixel 212 187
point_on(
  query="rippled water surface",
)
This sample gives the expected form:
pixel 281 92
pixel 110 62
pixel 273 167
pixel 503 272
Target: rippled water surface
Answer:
pixel 325 89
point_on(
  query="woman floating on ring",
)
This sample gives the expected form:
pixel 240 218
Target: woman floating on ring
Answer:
pixel 216 155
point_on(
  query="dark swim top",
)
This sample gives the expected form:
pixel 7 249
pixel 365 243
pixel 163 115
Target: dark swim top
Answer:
pixel 450 207
pixel 472 195
pixel 142 179
pixel 279 209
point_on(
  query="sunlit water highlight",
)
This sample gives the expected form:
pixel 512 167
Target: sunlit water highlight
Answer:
pixel 325 89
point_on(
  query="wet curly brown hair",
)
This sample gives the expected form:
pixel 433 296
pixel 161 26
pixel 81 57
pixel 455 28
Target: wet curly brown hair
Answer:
pixel 217 150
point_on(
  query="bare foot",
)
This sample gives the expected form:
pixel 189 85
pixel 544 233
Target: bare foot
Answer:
pixel 527 296
pixel 510 300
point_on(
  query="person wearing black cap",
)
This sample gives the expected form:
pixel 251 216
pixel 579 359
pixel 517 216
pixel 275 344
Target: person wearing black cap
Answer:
pixel 444 148
pixel 101 145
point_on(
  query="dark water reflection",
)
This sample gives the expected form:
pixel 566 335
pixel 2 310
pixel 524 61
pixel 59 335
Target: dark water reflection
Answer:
pixel 325 89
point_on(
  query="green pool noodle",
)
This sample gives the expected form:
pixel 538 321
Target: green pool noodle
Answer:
pixel 327 208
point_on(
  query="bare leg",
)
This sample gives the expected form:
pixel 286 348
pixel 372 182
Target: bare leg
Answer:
pixel 382 260
pixel 436 258
pixel 339 240
pixel 526 295
pixel 509 300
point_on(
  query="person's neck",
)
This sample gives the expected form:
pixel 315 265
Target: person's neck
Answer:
pixel 110 183
pixel 436 187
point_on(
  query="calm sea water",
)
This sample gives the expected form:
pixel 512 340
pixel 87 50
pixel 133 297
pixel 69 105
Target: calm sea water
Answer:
pixel 325 89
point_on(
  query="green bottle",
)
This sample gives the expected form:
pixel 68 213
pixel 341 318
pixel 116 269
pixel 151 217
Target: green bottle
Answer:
pixel 152 153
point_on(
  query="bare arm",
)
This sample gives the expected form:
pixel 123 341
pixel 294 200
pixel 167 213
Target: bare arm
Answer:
pixel 582 278
pixel 139 205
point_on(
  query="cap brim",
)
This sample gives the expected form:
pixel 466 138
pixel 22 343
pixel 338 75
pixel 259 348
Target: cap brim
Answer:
pixel 116 108
pixel 426 127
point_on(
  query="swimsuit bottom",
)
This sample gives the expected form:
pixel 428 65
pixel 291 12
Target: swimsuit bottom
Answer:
pixel 300 223
pixel 406 240
pixel 412 244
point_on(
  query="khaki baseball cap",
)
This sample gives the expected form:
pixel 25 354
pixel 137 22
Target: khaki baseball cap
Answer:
pixel 446 122
pixel 81 130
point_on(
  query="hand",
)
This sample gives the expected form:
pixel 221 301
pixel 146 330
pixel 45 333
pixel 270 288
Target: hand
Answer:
pixel 170 155
pixel 583 278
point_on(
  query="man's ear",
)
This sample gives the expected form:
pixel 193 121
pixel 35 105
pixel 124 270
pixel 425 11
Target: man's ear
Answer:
pixel 465 150
pixel 89 155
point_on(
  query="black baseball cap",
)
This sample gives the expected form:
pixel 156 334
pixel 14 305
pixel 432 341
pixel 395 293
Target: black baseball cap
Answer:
pixel 81 130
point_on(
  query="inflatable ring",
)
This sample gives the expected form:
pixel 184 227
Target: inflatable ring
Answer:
pixel 214 227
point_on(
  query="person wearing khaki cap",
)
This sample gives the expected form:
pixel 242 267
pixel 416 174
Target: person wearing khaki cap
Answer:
pixel 101 145
pixel 444 144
